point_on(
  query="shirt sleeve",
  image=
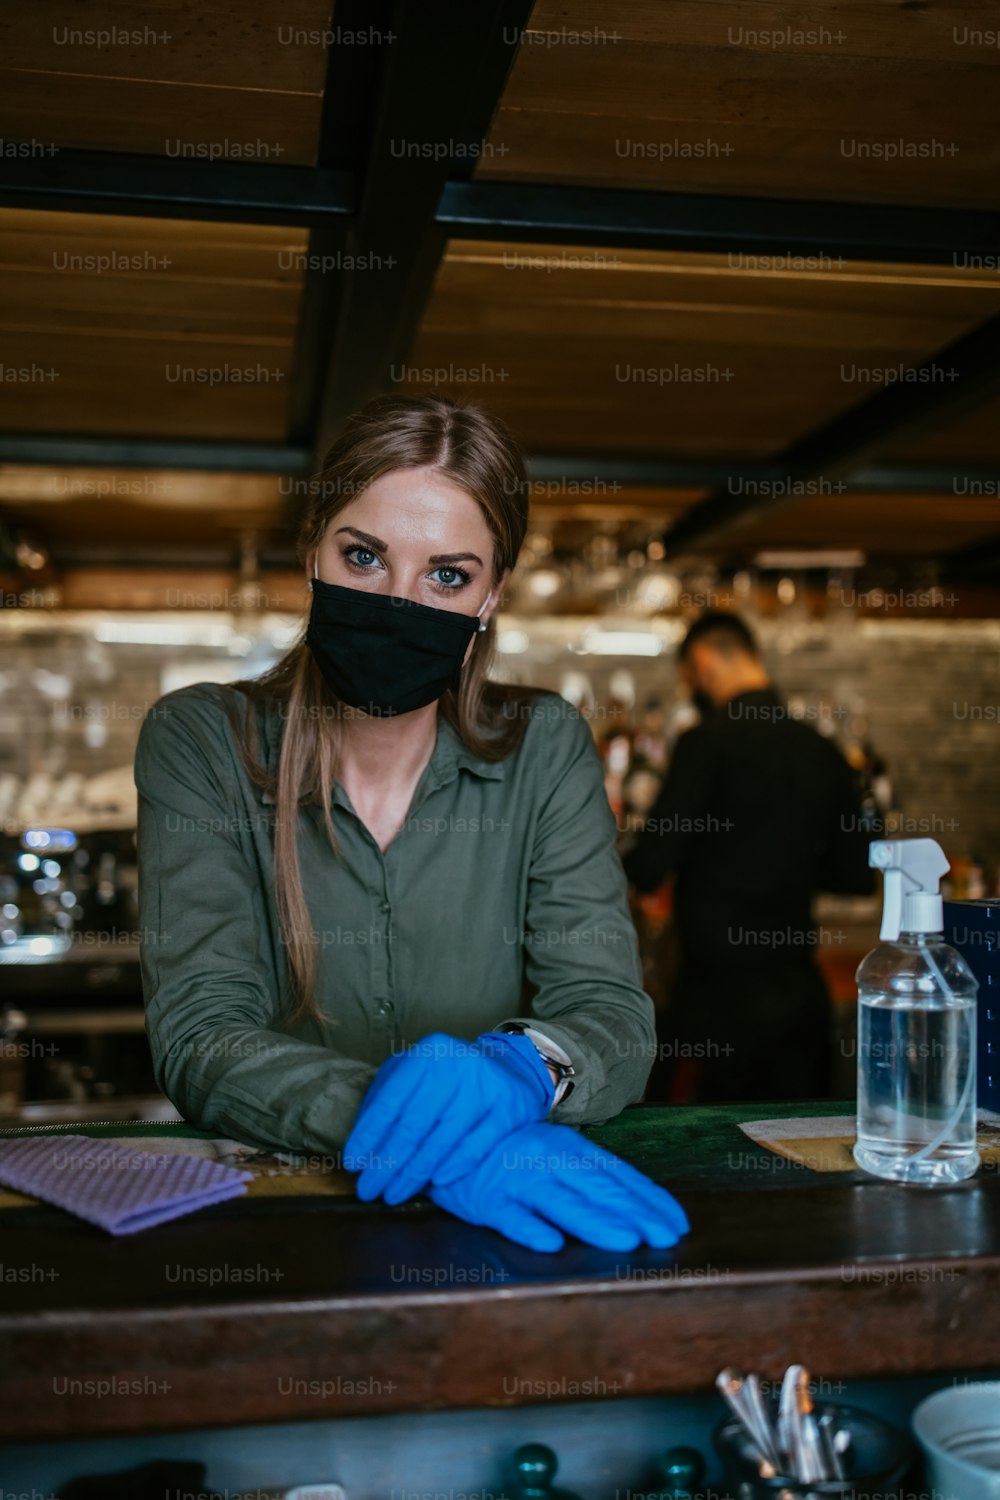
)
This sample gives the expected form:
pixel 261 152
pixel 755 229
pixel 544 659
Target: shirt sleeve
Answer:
pixel 211 996
pixel 684 799
pixel 581 948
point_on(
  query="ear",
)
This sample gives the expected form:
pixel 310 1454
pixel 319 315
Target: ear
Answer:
pixel 487 613
pixel 702 659
pixel 497 590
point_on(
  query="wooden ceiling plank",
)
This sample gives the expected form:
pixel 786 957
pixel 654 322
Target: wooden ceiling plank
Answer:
pixel 724 87
pixel 849 28
pixel 256 45
pixel 175 120
pixel 761 161
pixel 110 309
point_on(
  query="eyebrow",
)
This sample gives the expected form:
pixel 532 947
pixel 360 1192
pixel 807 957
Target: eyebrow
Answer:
pixel 438 557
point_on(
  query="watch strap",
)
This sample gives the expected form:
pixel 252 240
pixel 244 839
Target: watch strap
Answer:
pixel 550 1051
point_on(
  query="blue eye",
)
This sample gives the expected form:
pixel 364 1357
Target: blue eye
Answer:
pixel 360 557
pixel 446 579
pixel 457 578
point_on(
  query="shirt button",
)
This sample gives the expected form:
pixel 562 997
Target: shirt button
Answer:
pixel 385 1007
pixel 384 906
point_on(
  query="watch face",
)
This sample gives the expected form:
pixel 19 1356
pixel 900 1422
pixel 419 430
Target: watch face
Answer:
pixel 566 1071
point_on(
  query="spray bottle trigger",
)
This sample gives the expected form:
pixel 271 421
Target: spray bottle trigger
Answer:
pixel 892 905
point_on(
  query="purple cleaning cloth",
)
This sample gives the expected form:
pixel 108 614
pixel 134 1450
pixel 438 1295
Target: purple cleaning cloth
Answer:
pixel 112 1186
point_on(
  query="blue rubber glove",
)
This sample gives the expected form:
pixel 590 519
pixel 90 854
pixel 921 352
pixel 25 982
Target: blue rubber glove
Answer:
pixel 547 1178
pixel 433 1112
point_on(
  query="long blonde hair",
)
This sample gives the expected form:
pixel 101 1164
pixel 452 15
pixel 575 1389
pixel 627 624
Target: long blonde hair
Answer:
pixel 473 448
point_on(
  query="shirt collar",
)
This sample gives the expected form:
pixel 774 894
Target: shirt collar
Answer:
pixel 450 754
pixel 759 695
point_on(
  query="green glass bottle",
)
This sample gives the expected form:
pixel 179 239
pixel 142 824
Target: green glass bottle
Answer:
pixel 682 1471
pixel 535 1466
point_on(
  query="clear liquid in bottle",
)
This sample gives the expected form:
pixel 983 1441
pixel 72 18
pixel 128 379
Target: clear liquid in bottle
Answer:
pixel 916 1063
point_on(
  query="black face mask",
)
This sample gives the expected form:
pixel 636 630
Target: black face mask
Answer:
pixel 384 654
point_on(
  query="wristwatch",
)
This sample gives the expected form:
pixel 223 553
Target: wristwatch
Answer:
pixel 550 1052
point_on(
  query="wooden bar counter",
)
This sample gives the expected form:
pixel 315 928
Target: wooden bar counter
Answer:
pixel 281 1309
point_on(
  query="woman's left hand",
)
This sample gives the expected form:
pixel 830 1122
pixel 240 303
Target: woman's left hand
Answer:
pixel 546 1181
pixel 433 1112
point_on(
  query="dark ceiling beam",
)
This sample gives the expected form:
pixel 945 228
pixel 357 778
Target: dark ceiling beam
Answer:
pixel 128 183
pixel 653 472
pixel 975 563
pixel 52 450
pixel 439 88
pixel 960 376
pixel 164 187
pixel 118 182
pixel 642 472
pixel 70 452
pixel 933 479
pixel 347 120
pixel 643 219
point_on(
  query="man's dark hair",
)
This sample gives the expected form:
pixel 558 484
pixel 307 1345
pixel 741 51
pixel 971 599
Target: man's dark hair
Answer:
pixel 722 631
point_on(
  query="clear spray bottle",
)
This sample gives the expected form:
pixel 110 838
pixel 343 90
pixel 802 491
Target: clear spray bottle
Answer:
pixel 916 1030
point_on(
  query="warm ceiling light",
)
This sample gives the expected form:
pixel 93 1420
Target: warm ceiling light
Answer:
pixel 621 643
pixel 512 642
pixel 545 582
pixel 658 591
pixel 28 555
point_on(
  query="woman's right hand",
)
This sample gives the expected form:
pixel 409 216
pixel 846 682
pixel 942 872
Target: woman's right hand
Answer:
pixel 434 1111
pixel 543 1179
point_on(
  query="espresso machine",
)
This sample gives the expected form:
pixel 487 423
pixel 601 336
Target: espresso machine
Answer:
pixel 72 1034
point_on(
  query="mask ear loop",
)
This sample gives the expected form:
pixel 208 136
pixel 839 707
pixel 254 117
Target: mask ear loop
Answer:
pixel 309 581
pixel 482 623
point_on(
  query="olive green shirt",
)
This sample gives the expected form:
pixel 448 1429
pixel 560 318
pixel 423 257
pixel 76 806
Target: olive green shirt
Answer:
pixel 501 898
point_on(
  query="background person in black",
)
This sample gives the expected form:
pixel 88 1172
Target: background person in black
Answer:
pixel 757 812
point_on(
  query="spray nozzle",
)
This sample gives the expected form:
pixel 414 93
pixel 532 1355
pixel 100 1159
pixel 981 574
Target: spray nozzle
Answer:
pixel 912 869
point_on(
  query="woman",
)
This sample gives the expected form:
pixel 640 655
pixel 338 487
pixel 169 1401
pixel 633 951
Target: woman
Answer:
pixel 344 968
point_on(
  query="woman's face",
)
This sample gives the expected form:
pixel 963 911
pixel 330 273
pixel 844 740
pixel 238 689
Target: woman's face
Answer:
pixel 417 536
pixel 414 534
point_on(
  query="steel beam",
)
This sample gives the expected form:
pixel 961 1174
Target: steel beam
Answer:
pixel 964 374
pixel 134 185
